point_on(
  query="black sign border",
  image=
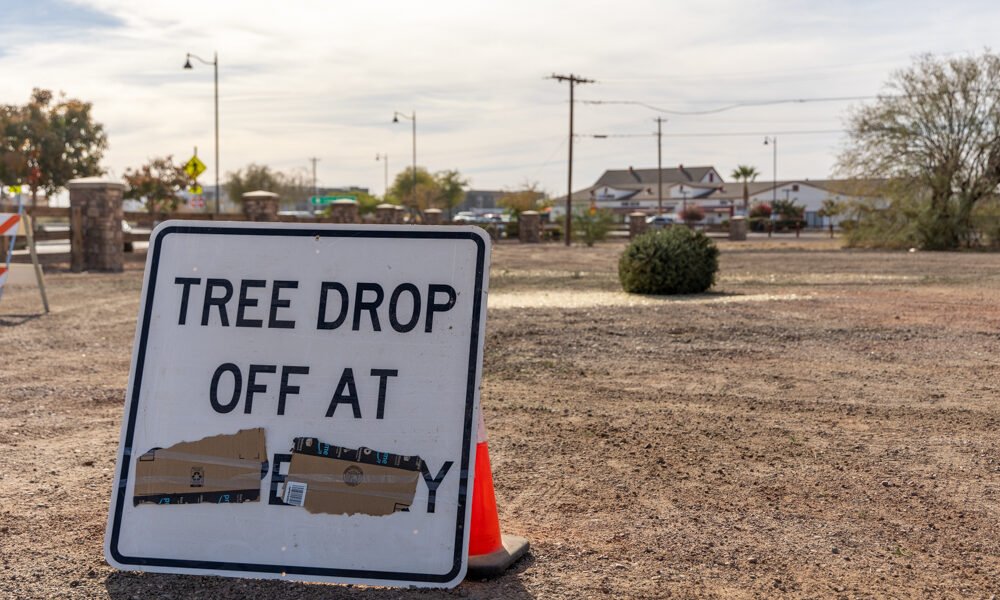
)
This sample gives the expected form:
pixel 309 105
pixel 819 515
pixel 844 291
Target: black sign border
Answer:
pixel 236 567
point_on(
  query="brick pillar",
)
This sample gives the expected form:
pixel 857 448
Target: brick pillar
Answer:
pixel 99 244
pixel 529 227
pixel 260 206
pixel 400 213
pixel 385 214
pixel 637 224
pixel 738 229
pixel 344 211
pixel 432 216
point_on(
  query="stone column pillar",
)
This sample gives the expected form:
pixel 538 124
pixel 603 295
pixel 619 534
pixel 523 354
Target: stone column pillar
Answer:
pixel 529 227
pixel 385 214
pixel 637 224
pixel 344 211
pixel 738 229
pixel 432 216
pixel 260 206
pixel 99 245
pixel 400 213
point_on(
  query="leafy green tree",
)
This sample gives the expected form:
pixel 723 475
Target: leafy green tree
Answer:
pixel 444 189
pixel 746 174
pixel 593 225
pixel 252 178
pixel 527 197
pixel 420 198
pixel 366 202
pixel 788 209
pixel 935 135
pixel 451 189
pixel 158 183
pixel 830 209
pixel 294 187
pixel 49 141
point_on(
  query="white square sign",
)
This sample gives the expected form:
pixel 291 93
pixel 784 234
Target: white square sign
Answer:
pixel 302 403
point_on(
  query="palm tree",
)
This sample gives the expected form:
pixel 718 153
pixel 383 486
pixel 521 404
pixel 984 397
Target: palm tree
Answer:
pixel 745 173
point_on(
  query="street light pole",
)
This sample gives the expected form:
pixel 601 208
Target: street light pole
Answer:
pixel 413 117
pixel 385 159
pixel 215 65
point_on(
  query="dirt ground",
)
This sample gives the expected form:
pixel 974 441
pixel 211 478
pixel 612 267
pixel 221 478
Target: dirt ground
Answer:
pixel 823 424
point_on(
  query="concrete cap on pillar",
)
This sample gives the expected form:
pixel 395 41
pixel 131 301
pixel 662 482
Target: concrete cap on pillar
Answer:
pixel 385 206
pixel 529 212
pixel 433 211
pixel 260 194
pixel 83 183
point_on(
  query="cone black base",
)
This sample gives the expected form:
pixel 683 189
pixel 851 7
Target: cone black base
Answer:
pixel 486 566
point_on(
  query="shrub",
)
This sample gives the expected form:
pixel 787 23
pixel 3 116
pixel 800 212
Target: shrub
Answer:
pixel 760 211
pixel 593 225
pixel 692 214
pixel 513 229
pixel 675 260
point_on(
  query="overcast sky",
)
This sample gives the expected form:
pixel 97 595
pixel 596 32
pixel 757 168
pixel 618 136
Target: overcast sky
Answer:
pixel 323 78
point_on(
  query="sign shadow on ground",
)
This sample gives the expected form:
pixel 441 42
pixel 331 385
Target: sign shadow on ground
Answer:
pixel 125 585
pixel 18 320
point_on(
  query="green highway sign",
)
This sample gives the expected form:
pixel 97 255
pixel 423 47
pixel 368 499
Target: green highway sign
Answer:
pixel 321 200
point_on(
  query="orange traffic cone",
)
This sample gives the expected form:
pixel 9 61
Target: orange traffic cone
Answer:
pixel 490 552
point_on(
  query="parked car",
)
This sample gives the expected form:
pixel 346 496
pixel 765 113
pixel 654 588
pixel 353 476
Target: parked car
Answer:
pixel 660 221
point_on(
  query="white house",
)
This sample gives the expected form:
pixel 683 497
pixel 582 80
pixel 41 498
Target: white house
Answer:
pixel 638 190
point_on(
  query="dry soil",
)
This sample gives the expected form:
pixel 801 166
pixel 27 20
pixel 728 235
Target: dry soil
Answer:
pixel 823 424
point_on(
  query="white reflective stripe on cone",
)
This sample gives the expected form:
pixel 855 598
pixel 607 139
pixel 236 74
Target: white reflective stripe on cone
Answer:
pixel 481 434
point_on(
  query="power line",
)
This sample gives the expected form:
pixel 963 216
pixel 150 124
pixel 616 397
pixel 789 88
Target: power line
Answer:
pixel 602 136
pixel 756 103
pixel 732 106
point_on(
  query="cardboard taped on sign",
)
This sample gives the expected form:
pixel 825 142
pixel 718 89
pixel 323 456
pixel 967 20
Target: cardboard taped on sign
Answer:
pixel 343 481
pixel 219 469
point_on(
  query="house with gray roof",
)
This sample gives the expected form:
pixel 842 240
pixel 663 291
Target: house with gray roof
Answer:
pixel 624 191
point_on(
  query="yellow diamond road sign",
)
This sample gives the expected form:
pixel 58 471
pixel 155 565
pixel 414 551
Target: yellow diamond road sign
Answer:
pixel 194 167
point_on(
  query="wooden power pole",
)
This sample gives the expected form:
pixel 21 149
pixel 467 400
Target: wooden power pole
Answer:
pixel 573 80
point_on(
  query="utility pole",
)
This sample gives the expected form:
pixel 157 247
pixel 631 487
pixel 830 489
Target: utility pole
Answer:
pixel 315 188
pixel 659 165
pixel 773 142
pixel 573 80
pixel 385 160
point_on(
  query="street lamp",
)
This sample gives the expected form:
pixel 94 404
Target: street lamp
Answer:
pixel 385 159
pixel 413 117
pixel 215 64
